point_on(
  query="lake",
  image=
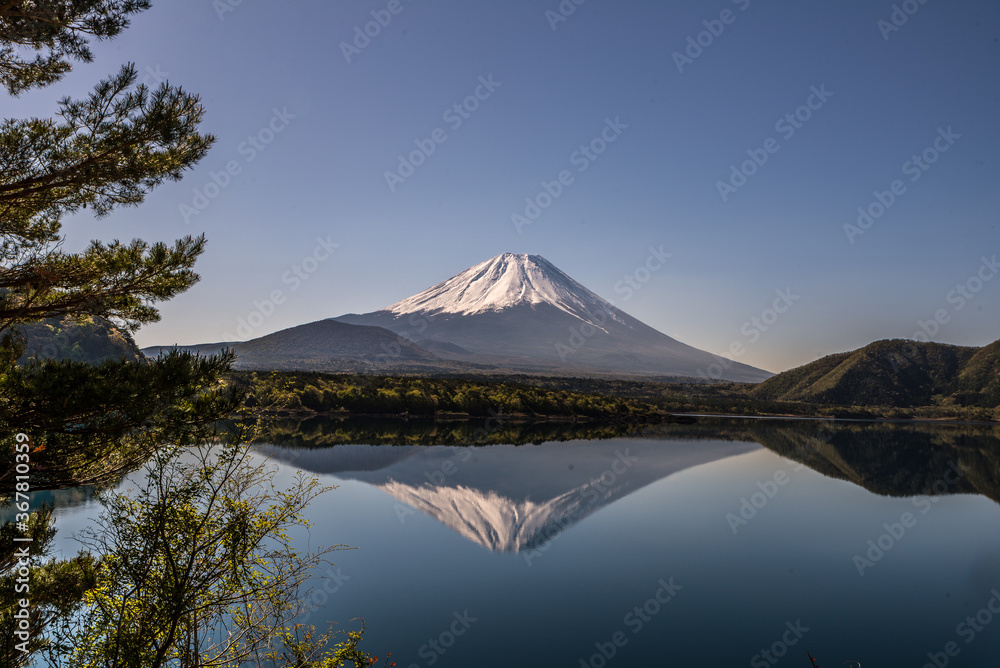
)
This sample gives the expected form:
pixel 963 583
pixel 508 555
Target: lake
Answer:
pixel 724 543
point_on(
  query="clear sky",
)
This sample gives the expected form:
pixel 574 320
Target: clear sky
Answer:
pixel 310 117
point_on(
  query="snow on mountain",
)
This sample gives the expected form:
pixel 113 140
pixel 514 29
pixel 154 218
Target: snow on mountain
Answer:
pixel 522 313
pixel 504 282
pixel 496 522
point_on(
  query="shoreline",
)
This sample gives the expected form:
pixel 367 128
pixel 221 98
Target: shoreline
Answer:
pixel 826 418
pixel 667 418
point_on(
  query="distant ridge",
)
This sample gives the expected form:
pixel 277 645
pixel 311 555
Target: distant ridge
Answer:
pixel 325 345
pixel 894 372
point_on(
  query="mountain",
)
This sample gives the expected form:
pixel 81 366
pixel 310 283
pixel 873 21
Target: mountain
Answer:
pixel 521 312
pixel 326 345
pixel 894 372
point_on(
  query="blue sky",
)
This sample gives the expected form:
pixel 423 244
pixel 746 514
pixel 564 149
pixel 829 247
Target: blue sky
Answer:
pixel 327 131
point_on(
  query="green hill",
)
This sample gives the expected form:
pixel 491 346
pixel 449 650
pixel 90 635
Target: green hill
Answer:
pixel 89 340
pixel 979 381
pixel 894 372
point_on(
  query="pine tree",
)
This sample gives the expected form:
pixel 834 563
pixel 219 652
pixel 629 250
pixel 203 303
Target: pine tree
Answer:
pixel 92 422
pixel 59 30
pixel 86 423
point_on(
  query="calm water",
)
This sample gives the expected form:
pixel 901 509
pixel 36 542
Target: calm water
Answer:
pixel 727 543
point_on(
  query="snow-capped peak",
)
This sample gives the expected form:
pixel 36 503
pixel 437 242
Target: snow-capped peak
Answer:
pixel 504 282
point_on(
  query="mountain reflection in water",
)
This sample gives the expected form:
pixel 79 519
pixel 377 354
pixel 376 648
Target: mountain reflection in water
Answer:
pixel 511 498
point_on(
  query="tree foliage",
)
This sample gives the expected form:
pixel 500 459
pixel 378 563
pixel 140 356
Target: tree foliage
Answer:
pixel 522 396
pixel 392 395
pixel 57 31
pixel 193 565
pixel 198 567
pixel 93 423
pixel 108 150
pixel 60 584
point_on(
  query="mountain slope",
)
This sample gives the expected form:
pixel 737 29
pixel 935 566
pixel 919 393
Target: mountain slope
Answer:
pixel 980 377
pixel 326 345
pixel 522 312
pixel 893 372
